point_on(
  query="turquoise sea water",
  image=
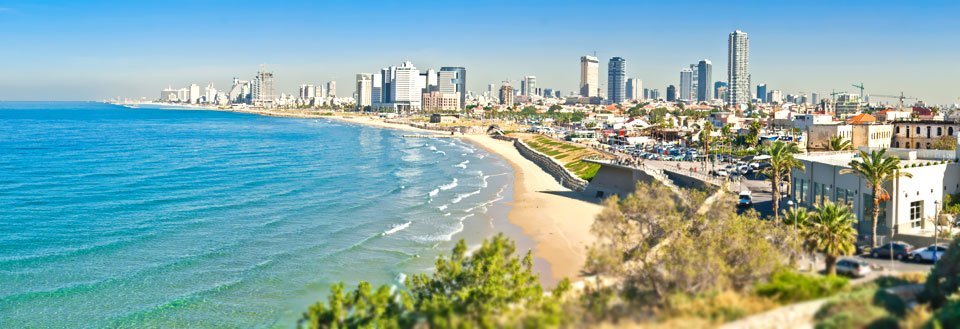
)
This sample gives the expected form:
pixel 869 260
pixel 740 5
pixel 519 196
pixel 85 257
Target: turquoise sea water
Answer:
pixel 117 217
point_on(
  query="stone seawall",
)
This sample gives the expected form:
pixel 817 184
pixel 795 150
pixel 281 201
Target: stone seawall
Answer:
pixel 551 166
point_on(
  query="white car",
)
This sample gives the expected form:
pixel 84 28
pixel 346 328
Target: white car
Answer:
pixel 853 267
pixel 930 253
pixel 722 173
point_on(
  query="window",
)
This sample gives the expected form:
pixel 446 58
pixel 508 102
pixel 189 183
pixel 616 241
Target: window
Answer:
pixel 916 212
pixel 817 195
pixel 928 146
pixel 898 129
pixel 918 143
pixel 950 131
pixel 897 144
pixel 939 131
pixel 918 130
pixel 928 131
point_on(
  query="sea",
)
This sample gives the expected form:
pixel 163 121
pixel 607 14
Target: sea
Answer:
pixel 153 217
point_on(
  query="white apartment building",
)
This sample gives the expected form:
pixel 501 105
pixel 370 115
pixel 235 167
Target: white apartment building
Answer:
pixel 405 88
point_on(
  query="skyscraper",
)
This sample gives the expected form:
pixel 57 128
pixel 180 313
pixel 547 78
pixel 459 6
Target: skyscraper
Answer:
pixel 704 78
pixel 717 86
pixel 364 90
pixel 405 89
pixel 634 89
pixel 506 94
pixel 460 81
pixel 762 93
pixel 616 80
pixel 686 85
pixel 528 86
pixel 332 88
pixel 589 76
pixel 738 73
pixel 671 93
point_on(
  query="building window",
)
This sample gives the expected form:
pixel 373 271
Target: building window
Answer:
pixel 928 146
pixel 897 144
pixel 928 131
pixel 918 145
pixel 950 131
pixel 918 130
pixel 898 130
pixel 939 131
pixel 916 213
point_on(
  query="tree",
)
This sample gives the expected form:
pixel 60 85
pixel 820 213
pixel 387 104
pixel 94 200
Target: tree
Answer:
pixel 839 144
pixel 727 132
pixel 782 162
pixel 831 232
pixel 945 143
pixel 491 288
pixel 755 128
pixel 876 168
pixel 705 137
pixel 659 242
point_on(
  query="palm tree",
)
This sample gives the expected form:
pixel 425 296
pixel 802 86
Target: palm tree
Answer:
pixel 838 144
pixel 876 168
pixel 755 128
pixel 725 131
pixel 831 232
pixel 782 162
pixel 705 137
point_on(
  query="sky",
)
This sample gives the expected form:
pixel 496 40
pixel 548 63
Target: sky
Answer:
pixel 94 50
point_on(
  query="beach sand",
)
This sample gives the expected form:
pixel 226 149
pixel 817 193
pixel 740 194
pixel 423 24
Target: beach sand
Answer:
pixel 558 224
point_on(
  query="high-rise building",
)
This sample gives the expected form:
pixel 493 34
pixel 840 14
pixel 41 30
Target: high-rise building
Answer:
pixel 433 83
pixel 738 73
pixel 376 90
pixel 617 80
pixel 506 94
pixel 548 92
pixel 194 94
pixel 332 89
pixel 671 93
pixel 589 76
pixel 634 89
pixel 460 81
pixel 814 98
pixel 762 93
pixel 528 86
pixel 686 85
pixel 654 94
pixel 704 78
pixel 209 94
pixel 775 96
pixel 262 89
pixel 716 88
pixel 405 90
pixel 364 90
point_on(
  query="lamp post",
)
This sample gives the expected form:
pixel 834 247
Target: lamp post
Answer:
pixel 936 230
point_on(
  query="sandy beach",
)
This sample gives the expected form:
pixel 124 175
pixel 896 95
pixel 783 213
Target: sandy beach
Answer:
pixel 558 225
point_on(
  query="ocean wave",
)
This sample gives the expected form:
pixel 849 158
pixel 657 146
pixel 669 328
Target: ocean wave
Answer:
pixel 433 193
pixel 443 207
pixel 396 228
pixel 447 236
pixel 450 185
pixel 463 165
pixel 462 196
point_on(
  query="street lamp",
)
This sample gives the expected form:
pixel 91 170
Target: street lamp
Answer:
pixel 936 229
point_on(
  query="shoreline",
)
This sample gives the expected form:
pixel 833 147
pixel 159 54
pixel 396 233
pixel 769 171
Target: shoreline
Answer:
pixel 557 225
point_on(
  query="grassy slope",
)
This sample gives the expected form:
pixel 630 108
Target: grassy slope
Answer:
pixel 568 154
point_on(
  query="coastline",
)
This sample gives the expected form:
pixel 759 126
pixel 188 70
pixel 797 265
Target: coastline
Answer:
pixel 558 225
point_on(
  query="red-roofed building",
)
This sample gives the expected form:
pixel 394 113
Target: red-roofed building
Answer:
pixel 861 119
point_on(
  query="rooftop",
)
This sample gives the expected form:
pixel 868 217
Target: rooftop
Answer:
pixel 907 156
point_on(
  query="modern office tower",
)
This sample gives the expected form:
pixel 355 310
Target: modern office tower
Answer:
pixel 634 87
pixel 775 96
pixel 686 85
pixel 738 73
pixel 460 81
pixel 240 91
pixel 332 89
pixel 693 82
pixel 364 90
pixel 404 88
pixel 307 92
pixel 704 78
pixel 506 94
pixel 388 75
pixel 762 93
pixel 548 92
pixel 556 94
pixel 491 90
pixel 376 90
pixel 528 86
pixel 655 94
pixel 646 93
pixel 617 80
pixel 814 98
pixel 433 83
pixel 671 93
pixel 589 76
pixel 262 89
pixel 716 88
pixel 194 93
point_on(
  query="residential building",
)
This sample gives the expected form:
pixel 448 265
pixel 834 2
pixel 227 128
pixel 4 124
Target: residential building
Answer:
pixel 616 80
pixel 194 94
pixel 847 105
pixel 528 86
pixel 738 73
pixel 441 101
pixel 262 89
pixel 506 94
pixel 775 97
pixel 704 78
pixel 922 134
pixel 633 88
pixel 364 90
pixel 589 76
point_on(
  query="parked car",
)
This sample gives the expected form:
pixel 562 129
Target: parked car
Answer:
pixel 853 267
pixel 901 250
pixel 745 200
pixel 722 173
pixel 930 253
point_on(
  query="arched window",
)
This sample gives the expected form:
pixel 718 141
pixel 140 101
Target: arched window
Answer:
pixel 939 131
pixel 897 144
pixel 918 143
pixel 950 131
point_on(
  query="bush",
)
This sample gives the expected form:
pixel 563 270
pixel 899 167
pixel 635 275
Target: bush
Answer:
pixel 790 286
pixel 719 307
pixel 853 310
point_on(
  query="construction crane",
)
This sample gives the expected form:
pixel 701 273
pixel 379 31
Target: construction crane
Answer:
pixel 901 98
pixel 861 91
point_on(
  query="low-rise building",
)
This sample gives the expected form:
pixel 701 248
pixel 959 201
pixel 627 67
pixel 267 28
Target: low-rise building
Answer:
pixel 804 121
pixel 912 202
pixel 439 101
pixel 922 134
pixel 444 118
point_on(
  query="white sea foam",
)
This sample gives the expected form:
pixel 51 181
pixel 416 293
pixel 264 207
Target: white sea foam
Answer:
pixel 463 165
pixel 447 215
pixel 450 185
pixel 462 196
pixel 434 192
pixel 443 207
pixel 396 228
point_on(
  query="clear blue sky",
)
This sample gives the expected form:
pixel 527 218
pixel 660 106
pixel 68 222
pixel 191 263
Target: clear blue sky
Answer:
pixel 91 50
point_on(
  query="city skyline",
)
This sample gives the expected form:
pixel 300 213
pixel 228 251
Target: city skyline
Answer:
pixel 71 48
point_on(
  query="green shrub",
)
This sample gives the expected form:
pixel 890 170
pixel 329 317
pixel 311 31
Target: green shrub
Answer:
pixel 790 286
pixel 852 310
